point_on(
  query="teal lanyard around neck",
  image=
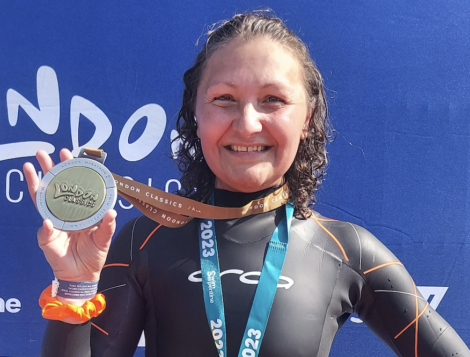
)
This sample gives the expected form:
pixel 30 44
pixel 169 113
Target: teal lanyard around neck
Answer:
pixel 265 291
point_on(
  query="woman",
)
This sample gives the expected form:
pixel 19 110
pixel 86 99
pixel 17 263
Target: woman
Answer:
pixel 253 118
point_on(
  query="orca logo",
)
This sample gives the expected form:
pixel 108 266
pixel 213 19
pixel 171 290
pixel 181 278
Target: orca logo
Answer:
pixel 250 277
pixel 432 294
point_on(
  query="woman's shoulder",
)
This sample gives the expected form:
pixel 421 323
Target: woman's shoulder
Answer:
pixel 349 242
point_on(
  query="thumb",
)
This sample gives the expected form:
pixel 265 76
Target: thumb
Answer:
pixel 45 233
pixel 102 236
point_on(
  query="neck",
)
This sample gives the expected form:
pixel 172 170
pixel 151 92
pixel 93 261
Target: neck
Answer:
pixel 225 198
pixel 248 229
pixel 248 187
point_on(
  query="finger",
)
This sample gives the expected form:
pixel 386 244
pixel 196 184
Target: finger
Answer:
pixel 32 180
pixel 45 233
pixel 65 154
pixel 45 161
pixel 102 236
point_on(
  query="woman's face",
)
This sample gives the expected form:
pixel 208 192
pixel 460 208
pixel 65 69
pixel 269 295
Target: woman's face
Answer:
pixel 251 112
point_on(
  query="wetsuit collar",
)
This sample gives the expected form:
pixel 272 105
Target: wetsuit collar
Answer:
pixel 251 228
pixel 224 198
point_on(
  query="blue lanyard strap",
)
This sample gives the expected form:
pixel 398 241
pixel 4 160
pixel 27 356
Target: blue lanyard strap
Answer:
pixel 265 291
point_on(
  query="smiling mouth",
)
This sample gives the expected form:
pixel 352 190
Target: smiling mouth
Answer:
pixel 238 148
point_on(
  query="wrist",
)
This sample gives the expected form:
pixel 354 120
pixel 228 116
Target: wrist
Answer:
pixel 73 292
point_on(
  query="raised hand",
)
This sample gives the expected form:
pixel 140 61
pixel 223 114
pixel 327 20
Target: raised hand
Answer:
pixel 73 256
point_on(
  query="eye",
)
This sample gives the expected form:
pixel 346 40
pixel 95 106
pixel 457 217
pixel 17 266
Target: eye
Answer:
pixel 272 99
pixel 224 98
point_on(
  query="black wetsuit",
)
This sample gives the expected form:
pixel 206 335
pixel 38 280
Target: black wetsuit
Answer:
pixel 332 269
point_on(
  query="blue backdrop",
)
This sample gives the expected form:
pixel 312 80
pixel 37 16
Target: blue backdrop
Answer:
pixel 108 74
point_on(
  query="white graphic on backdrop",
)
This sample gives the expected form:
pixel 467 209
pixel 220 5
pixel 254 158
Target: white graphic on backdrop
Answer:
pixel 103 128
pixel 7 190
pixel 175 145
pixel 433 294
pixel 156 122
pixel 47 117
pixel 11 305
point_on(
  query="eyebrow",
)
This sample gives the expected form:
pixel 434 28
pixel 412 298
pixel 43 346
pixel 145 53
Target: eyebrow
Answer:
pixel 274 84
pixel 264 86
pixel 217 84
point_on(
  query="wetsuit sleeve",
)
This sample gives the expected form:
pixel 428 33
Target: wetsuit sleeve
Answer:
pixel 394 310
pixel 116 332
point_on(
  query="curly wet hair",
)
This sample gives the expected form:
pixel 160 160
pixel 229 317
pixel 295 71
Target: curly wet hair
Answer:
pixel 306 172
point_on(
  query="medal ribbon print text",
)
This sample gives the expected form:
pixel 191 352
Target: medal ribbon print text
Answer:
pixel 175 211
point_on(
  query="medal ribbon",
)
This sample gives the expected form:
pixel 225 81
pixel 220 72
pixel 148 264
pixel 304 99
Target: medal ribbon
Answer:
pixel 175 211
pixel 265 291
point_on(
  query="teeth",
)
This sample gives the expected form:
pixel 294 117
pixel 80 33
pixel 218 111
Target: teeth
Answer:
pixel 247 148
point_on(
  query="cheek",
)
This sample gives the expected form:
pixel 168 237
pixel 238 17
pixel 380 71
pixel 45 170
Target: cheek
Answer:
pixel 207 133
pixel 288 145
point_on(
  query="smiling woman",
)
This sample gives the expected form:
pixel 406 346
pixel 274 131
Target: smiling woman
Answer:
pixel 260 77
pixel 253 119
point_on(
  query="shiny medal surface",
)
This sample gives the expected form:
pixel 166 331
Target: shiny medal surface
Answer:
pixel 76 194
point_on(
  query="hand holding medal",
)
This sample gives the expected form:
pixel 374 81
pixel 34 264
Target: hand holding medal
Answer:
pixel 74 255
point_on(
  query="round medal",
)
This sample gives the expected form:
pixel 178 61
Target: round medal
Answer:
pixel 76 194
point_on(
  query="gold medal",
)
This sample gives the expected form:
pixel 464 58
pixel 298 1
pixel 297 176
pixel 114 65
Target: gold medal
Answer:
pixel 76 194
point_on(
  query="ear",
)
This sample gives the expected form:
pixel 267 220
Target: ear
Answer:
pixel 304 132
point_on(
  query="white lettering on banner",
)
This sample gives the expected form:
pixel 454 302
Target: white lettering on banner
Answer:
pixel 171 181
pixel 156 122
pixel 7 190
pixel 176 145
pixel 288 282
pixel 432 294
pixel 11 305
pixel 103 128
pixel 47 117
pixel 8 185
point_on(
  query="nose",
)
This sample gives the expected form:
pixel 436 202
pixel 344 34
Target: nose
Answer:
pixel 248 120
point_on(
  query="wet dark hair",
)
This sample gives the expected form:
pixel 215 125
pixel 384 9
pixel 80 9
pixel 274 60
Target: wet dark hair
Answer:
pixel 306 172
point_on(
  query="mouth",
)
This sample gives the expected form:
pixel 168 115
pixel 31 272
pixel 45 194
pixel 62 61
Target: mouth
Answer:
pixel 238 148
